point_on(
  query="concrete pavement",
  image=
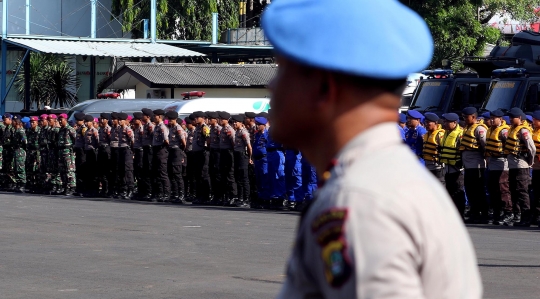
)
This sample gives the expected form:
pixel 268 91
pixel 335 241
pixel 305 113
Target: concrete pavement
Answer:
pixel 66 247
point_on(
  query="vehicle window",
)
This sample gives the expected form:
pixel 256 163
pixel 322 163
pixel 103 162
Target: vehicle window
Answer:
pixel 533 97
pixel 477 94
pixel 430 94
pixel 502 95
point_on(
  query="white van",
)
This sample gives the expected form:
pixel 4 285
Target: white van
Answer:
pixel 231 105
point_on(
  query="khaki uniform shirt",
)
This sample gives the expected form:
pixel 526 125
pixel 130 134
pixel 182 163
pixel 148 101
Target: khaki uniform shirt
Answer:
pixel 475 159
pixel 379 233
pixel 523 161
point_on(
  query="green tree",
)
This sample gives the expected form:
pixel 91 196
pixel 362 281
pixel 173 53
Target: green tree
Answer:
pixel 52 81
pixel 460 27
pixel 177 19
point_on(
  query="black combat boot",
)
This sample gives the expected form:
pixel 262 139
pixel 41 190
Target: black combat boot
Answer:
pixel 508 219
pixel 68 191
pixel 525 219
pixel 19 188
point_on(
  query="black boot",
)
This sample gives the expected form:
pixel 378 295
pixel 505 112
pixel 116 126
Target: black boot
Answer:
pixel 20 188
pixel 525 219
pixel 508 219
pixel 68 191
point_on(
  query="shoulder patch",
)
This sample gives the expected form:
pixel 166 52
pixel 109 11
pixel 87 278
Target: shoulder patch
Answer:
pixel 328 230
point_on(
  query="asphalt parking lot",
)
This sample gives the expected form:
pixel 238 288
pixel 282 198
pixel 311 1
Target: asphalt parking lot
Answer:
pixel 66 247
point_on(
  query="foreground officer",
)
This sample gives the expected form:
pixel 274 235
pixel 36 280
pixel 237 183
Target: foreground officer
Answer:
pixel 431 144
pixel 369 234
pixel 66 159
pixel 104 154
pixel 520 151
pixel 177 157
pixel 161 155
pixel 33 156
pixel 91 145
pixel 472 150
pixel 498 185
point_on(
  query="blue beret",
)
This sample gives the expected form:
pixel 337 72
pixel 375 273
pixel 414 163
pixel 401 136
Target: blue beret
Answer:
pixel 486 115
pixel 25 119
pixel 415 114
pixel 515 112
pixel 7 115
pixel 402 118
pixel 451 116
pixel 497 113
pixel 506 119
pixel 261 120
pixel 529 118
pixel 536 114
pixel 431 117
pixel 332 35
pixel 469 111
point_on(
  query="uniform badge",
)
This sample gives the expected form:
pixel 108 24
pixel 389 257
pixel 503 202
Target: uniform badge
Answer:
pixel 328 229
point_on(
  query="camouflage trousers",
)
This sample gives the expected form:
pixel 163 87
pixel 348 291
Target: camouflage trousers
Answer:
pixel 66 167
pixel 33 167
pixel 44 174
pixel 53 169
pixel 17 167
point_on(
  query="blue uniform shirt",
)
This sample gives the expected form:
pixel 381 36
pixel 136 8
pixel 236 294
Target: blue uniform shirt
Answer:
pixel 402 132
pixel 259 144
pixel 414 139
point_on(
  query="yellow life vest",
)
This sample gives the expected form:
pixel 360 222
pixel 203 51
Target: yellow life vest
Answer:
pixel 513 145
pixel 536 139
pixel 494 145
pixel 450 153
pixel 469 141
pixel 430 151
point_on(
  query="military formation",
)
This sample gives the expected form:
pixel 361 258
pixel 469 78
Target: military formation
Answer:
pixel 208 158
pixel 489 161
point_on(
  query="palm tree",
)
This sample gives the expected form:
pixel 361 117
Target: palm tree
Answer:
pixel 52 81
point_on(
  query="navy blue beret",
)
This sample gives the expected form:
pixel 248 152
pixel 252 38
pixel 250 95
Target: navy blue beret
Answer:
pixel 486 114
pixel 469 111
pixel 497 113
pixel 7 115
pixel 528 117
pixel 260 120
pixel 415 114
pixel 515 112
pixel 431 117
pixel 332 35
pixel 451 116
pixel 536 114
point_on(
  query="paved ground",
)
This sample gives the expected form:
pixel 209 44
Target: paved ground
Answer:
pixel 54 247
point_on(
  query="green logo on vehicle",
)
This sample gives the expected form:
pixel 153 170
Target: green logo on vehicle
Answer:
pixel 261 106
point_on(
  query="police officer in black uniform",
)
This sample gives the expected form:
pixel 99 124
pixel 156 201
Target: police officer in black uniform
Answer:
pixel 138 134
pixel 145 185
pixel 160 157
pixel 213 144
pixel 80 155
pixel 104 154
pixel 201 159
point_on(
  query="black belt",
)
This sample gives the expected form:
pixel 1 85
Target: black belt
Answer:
pixel 138 149
pixel 259 157
pixel 274 149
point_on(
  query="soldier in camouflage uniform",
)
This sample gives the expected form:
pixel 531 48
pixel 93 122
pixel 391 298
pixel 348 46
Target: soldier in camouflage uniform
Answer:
pixel 2 177
pixel 66 158
pixel 56 181
pixel 7 142
pixel 44 174
pixel 33 156
pixel 17 173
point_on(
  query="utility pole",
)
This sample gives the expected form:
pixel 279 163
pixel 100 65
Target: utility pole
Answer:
pixel 153 22
pixel 93 19
pixel 27 17
pixel 93 34
pixel 243 14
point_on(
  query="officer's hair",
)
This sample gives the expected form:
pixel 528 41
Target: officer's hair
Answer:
pixel 394 86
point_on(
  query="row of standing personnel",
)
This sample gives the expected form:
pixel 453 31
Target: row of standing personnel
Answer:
pixel 492 154
pixel 208 158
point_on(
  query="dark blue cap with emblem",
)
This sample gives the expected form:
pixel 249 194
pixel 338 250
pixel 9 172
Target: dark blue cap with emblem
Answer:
pixel 415 114
pixel 402 118
pixel 469 111
pixel 529 118
pixel 260 120
pixel 497 113
pixel 515 112
pixel 7 115
pixel 486 115
pixel 450 117
pixel 536 114
pixel 385 53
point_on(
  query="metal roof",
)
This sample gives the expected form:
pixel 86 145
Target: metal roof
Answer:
pixel 156 75
pixel 108 49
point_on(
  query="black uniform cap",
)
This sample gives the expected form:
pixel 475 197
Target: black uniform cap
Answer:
pixel 515 112
pixel 79 116
pixel 137 115
pixel 199 114
pixel 431 117
pixel 122 116
pixel 263 114
pixel 88 118
pixel 497 113
pixel 159 112
pixel 105 115
pixel 224 115
pixel 147 112
pixel 239 118
pixel 171 114
pixel 250 114
pixel 212 114
pixel 114 115
pixel 153 118
pixel 469 111
pixel 191 117
pixel 187 119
